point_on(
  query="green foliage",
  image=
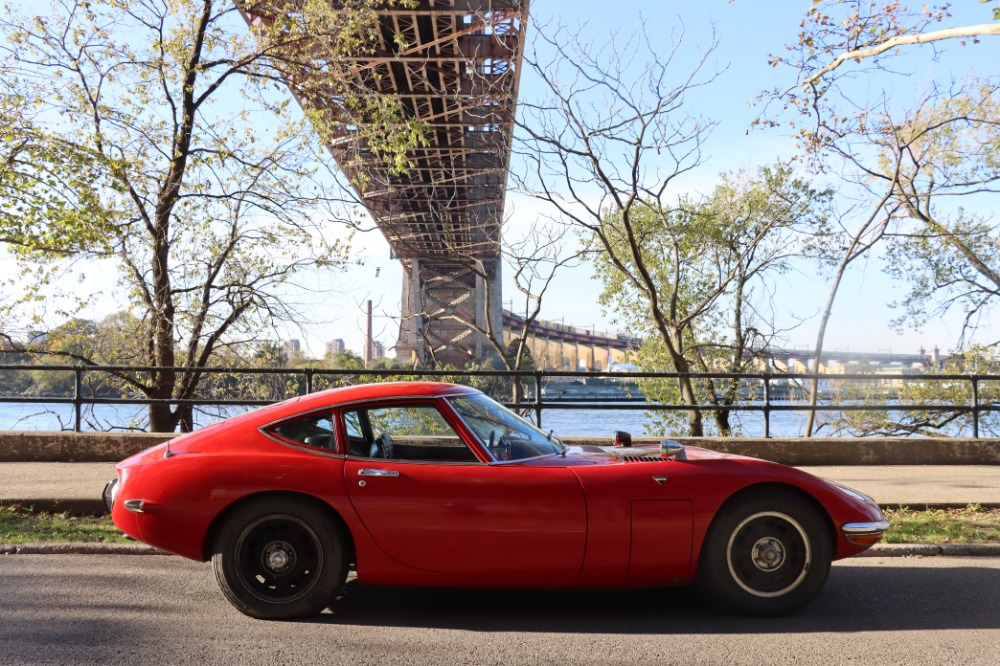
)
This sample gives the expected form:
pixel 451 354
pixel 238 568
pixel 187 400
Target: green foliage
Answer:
pixel 162 137
pixel 692 280
pixel 946 254
pixel 932 395
pixel 996 10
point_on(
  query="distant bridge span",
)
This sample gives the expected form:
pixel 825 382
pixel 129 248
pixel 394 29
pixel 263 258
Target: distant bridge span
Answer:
pixel 562 346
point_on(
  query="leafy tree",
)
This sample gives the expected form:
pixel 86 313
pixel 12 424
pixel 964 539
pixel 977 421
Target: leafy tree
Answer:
pixel 160 136
pixel 709 263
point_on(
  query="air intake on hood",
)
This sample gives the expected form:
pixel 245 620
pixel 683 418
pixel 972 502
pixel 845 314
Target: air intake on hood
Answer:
pixel 639 459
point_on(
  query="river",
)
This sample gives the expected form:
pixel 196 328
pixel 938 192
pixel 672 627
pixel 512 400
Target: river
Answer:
pixel 564 422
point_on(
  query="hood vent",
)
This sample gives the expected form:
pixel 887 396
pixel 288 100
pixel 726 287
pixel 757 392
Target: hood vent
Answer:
pixel 639 459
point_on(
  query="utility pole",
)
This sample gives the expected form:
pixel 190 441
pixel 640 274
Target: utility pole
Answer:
pixel 368 337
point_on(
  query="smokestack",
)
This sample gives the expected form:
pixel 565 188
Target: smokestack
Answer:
pixel 368 338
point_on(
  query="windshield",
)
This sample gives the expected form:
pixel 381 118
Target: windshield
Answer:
pixel 506 435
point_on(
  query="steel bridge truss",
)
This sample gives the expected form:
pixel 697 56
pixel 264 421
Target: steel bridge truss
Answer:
pixel 454 67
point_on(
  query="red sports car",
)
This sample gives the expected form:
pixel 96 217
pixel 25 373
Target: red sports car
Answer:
pixel 437 485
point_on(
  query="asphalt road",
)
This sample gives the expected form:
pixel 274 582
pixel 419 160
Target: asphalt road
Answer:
pixel 65 609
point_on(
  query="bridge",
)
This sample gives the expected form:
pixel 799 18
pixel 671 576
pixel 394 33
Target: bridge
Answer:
pixel 558 346
pixel 454 65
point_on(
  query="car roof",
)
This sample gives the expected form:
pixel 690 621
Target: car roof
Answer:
pixel 379 391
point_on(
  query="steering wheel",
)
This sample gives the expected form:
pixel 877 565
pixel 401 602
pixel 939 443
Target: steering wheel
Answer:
pixel 381 447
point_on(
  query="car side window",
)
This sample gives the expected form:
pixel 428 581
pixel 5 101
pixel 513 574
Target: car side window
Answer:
pixel 313 430
pixel 352 423
pixel 404 432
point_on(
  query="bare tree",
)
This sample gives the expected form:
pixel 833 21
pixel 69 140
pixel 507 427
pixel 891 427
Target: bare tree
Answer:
pixel 858 30
pixel 915 165
pixel 606 141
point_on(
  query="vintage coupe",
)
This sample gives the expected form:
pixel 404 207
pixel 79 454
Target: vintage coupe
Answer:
pixel 436 485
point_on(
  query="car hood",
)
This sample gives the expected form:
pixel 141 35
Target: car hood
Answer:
pixel 620 455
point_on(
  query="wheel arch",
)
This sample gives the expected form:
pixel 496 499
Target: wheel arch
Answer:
pixel 211 534
pixel 761 489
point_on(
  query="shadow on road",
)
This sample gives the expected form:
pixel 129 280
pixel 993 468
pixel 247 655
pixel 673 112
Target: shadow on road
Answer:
pixel 855 599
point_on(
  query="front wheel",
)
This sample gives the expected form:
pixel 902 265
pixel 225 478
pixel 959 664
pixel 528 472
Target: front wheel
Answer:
pixel 277 558
pixel 768 555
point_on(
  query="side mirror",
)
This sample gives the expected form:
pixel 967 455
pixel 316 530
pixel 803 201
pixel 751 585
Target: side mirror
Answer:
pixel 673 450
pixel 622 438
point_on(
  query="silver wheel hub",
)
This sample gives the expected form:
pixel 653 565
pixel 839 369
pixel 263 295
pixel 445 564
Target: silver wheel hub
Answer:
pixel 768 554
pixel 278 557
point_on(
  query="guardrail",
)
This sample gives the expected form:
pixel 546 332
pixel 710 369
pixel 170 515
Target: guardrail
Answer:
pixel 764 387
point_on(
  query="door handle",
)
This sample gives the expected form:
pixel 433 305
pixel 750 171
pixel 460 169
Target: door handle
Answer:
pixel 369 471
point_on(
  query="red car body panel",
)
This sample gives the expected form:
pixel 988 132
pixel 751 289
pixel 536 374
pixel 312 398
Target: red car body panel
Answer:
pixel 590 518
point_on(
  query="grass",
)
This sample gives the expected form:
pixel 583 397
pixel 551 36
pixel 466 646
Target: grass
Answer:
pixel 20 525
pixel 973 524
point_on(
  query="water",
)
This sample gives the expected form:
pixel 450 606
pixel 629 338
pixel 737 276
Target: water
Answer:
pixel 102 418
pixel 564 422
pixel 600 423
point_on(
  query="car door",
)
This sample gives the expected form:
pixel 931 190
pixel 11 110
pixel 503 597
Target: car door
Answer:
pixel 432 505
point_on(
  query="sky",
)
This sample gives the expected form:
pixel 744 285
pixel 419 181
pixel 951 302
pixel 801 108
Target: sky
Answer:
pixel 746 33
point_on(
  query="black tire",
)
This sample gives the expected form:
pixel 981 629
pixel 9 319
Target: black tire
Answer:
pixel 765 554
pixel 279 558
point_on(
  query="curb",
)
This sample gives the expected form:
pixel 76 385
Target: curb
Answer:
pixel 62 548
pixel 880 550
pixel 933 550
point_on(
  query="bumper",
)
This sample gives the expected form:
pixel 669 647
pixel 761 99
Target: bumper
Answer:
pixel 865 534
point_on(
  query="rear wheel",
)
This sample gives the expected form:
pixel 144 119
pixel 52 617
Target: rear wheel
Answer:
pixel 279 558
pixel 769 554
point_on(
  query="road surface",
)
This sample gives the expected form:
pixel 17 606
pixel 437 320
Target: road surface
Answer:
pixel 96 609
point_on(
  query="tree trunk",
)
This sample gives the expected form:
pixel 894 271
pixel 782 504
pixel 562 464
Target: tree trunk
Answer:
pixel 161 418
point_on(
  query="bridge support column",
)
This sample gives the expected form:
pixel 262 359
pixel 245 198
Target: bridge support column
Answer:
pixel 442 304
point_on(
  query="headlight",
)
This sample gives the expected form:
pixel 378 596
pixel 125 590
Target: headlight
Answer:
pixel 853 494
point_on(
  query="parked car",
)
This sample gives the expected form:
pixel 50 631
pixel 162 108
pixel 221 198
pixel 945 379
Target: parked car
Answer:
pixel 433 484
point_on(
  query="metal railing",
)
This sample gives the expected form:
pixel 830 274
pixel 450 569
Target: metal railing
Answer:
pixel 765 387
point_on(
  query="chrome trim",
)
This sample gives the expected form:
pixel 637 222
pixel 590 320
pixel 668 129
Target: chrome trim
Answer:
pixel 135 505
pixel 110 493
pixel 371 471
pixel 521 460
pixel 672 449
pixel 874 527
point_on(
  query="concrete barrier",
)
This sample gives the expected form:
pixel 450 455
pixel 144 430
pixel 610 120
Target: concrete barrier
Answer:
pixel 41 446
pixel 36 446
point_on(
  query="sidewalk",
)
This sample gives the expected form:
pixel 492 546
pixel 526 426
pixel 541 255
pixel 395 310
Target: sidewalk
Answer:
pixel 77 487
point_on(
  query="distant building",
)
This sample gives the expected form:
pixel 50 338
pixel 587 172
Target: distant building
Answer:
pixel 378 349
pixel 335 346
pixel 292 349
